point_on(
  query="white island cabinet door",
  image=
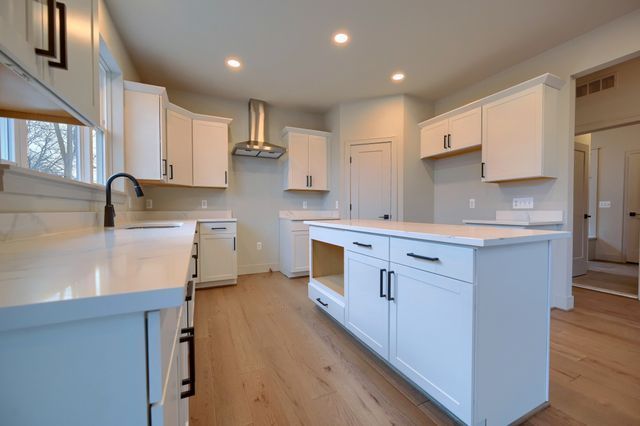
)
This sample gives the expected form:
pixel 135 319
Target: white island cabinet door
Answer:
pixel 367 306
pixel 431 333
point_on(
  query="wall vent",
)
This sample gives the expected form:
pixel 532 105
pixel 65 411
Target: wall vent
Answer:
pixel 595 86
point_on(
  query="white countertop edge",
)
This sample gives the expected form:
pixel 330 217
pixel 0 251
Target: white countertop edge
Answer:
pixel 221 219
pixel 444 238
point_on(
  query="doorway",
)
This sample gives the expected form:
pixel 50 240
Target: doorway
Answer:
pixel 370 181
pixel 580 208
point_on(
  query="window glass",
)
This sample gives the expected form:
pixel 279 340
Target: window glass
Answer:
pixel 97 156
pixel 7 139
pixel 53 148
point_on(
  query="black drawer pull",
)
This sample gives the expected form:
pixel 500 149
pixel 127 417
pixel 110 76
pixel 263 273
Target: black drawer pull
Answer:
pixel 218 229
pixel 191 381
pixel 321 302
pixel 362 245
pixel 417 256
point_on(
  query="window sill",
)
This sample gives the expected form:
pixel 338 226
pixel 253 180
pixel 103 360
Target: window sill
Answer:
pixel 19 180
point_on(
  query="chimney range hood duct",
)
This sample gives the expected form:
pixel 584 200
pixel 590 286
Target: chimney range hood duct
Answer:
pixel 256 146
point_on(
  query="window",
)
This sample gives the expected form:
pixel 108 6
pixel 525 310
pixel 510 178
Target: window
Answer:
pixel 7 140
pixel 53 148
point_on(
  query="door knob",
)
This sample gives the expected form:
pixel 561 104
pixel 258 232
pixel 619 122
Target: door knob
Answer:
pixel 385 217
pixel 632 214
pixel 587 216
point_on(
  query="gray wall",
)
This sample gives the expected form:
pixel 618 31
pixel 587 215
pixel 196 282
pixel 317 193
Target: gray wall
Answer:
pixel 255 193
pixel 613 145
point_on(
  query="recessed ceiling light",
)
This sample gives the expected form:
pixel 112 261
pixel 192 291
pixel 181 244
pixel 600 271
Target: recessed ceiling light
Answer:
pixel 341 37
pixel 233 63
pixel 397 76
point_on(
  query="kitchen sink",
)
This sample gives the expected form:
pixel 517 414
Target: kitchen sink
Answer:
pixel 153 225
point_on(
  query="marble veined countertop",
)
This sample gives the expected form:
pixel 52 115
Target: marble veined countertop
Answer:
pixel 93 272
pixel 479 236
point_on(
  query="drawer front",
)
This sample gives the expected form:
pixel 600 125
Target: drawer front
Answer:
pixel 327 235
pixel 212 228
pixel 447 260
pixel 326 302
pixel 367 244
pixel 298 225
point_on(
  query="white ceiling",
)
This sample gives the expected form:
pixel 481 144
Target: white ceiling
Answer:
pixel 289 60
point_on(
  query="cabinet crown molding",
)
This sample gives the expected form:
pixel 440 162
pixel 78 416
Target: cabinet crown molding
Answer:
pixel 289 129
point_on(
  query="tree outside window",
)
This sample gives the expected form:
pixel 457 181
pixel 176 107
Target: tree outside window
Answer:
pixel 53 148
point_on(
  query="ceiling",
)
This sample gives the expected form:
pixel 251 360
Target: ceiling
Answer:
pixel 289 59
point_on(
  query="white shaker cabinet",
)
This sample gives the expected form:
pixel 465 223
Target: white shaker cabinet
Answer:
pixel 217 254
pixel 22 32
pixel 179 148
pixel 455 134
pixel 307 162
pixel 211 153
pixel 144 131
pixel 294 248
pixel 519 135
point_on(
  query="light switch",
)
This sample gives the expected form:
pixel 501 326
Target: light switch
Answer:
pixel 523 203
pixel 604 204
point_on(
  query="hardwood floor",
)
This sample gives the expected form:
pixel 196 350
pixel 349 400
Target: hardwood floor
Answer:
pixel 266 355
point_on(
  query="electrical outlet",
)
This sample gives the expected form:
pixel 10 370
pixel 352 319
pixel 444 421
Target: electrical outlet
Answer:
pixel 204 204
pixel 304 204
pixel 523 203
pixel 259 245
pixel 337 205
pixel 604 204
pixel 472 203
pixel 149 203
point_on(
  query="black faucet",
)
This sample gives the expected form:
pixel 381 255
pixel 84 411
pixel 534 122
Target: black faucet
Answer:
pixel 109 211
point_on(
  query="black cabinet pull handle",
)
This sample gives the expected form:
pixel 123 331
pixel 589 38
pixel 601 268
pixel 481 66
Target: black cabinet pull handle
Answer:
pixel 197 249
pixel 50 51
pixel 382 272
pixel 482 170
pixel 225 177
pixel 191 380
pixel 164 168
pixel 632 214
pixel 62 64
pixel 195 258
pixel 418 256
pixel 234 243
pixel 362 245
pixel 307 181
pixel 321 302
pixel 311 181
pixel 170 171
pixel 189 294
pixel 444 141
pixel 218 228
pixel 449 141
pixel 389 275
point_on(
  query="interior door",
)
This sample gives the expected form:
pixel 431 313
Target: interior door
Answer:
pixel 210 154
pixel 631 235
pixel 370 179
pixel 298 161
pixel 179 149
pixel 367 307
pixel 318 162
pixel 580 208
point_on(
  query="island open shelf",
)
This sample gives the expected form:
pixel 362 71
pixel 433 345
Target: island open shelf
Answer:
pixel 327 267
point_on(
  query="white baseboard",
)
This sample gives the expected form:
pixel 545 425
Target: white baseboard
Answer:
pixel 257 268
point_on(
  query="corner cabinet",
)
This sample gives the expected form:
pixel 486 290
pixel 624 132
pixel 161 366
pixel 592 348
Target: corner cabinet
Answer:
pixel 307 162
pixel 459 133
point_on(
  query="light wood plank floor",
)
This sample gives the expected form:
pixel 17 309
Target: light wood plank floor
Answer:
pixel 267 355
pixel 613 282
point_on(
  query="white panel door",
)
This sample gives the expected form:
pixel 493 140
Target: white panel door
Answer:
pixel 367 313
pixel 218 257
pixel 370 177
pixel 298 161
pixel 78 83
pixel 210 154
pixel 632 208
pixel 512 136
pixel 142 133
pixel 318 163
pixel 431 333
pixel 580 209
pixel 465 130
pixel 300 251
pixel 179 149
pixel 433 139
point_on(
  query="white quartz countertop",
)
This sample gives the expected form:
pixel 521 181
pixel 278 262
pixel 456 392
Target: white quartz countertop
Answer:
pixel 479 236
pixel 92 273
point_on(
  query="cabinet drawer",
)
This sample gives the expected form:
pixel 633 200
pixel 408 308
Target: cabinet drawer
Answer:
pixel 327 302
pixel 327 235
pixel 450 261
pixel 368 244
pixel 209 228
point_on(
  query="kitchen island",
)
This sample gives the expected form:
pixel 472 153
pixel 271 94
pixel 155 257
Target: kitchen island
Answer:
pixel 460 311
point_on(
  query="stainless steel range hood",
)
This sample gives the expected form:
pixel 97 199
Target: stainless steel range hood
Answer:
pixel 256 146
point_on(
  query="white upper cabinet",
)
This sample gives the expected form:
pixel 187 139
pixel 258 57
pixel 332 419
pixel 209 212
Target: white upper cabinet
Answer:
pixel 211 153
pixel 179 148
pixel 53 46
pixel 144 131
pixel 307 162
pixel 458 133
pixel 519 136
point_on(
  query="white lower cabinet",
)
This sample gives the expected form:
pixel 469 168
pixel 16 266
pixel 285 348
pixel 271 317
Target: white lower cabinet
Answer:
pixel 294 248
pixel 217 254
pixel 431 331
pixel 367 313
